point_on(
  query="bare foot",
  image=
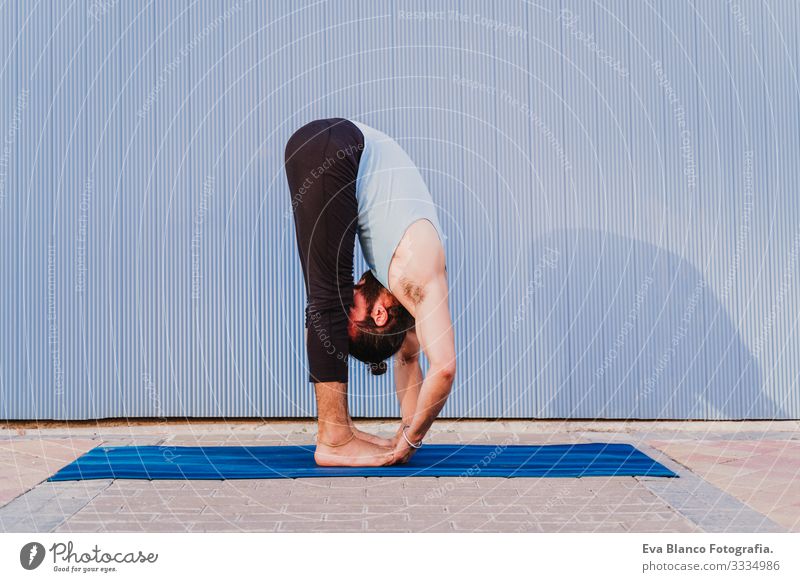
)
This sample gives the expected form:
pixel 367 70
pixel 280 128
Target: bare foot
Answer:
pixel 356 453
pixel 371 438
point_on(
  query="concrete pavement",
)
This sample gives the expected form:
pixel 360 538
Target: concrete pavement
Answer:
pixel 735 477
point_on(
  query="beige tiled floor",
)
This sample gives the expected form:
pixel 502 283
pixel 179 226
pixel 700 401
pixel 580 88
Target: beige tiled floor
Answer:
pixel 755 463
pixel 25 463
pixel 374 505
pixel 764 474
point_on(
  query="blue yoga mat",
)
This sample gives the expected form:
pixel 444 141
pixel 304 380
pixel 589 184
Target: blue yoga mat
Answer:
pixel 277 462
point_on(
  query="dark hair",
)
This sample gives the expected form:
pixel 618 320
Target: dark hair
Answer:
pixel 373 344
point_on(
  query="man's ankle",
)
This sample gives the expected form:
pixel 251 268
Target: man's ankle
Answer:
pixel 333 436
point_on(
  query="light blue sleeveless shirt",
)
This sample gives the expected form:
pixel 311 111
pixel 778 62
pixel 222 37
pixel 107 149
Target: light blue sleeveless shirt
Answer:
pixel 391 197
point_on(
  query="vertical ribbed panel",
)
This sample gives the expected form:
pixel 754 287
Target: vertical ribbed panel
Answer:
pixel 617 183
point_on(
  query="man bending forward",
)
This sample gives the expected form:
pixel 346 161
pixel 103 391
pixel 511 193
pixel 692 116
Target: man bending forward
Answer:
pixel 347 178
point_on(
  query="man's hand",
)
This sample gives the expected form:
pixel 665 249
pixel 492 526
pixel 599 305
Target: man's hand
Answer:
pixel 402 450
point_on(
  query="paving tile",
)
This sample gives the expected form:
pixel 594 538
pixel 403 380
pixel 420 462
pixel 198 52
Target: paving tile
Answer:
pixel 93 527
pixel 304 508
pixel 216 526
pixel 389 522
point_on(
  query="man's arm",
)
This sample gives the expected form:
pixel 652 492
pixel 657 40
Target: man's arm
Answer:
pixel 434 329
pixel 408 376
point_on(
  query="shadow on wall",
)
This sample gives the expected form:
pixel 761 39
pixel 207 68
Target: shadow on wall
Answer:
pixel 625 329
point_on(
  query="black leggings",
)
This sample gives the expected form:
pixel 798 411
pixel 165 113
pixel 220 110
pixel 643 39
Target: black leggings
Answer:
pixel 322 160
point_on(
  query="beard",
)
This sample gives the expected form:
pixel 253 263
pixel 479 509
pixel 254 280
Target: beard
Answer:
pixel 370 289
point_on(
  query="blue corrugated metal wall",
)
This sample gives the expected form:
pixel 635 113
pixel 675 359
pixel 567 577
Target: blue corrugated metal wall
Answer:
pixel 617 181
